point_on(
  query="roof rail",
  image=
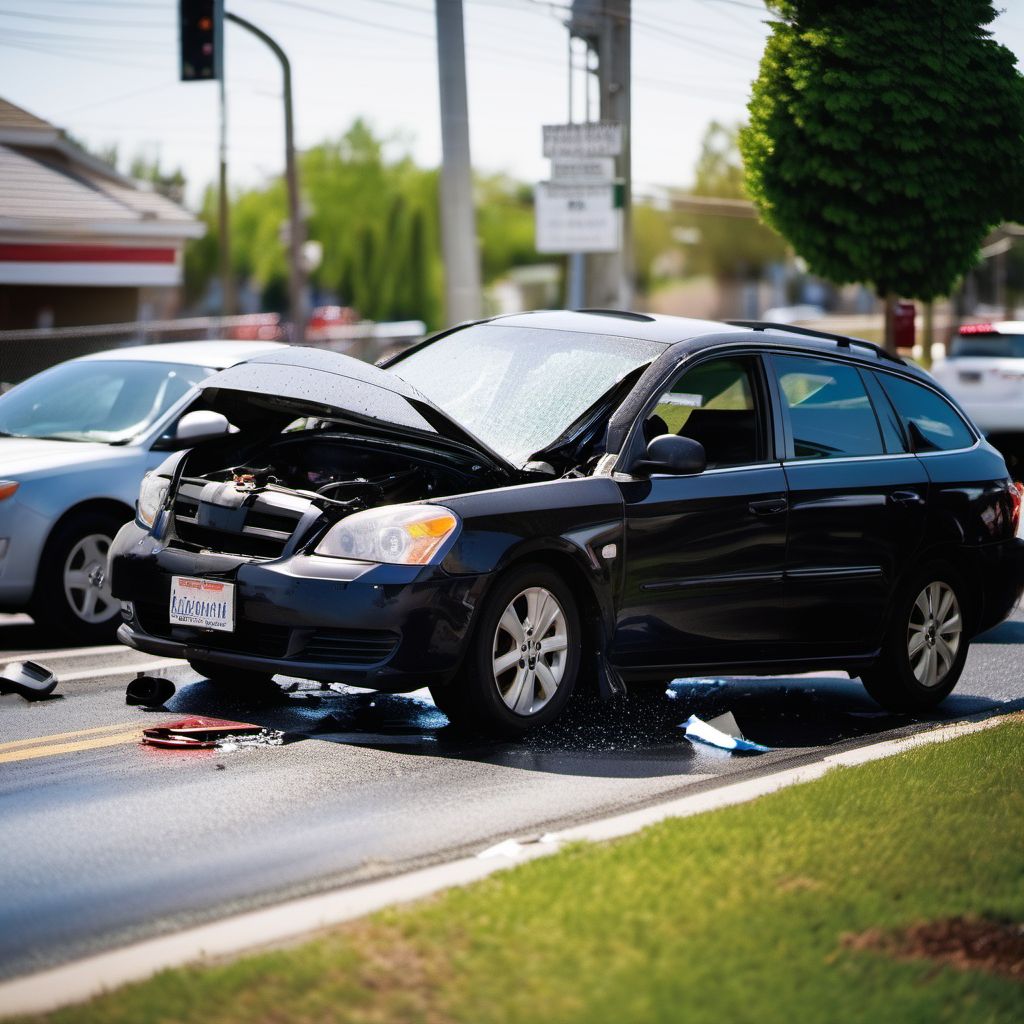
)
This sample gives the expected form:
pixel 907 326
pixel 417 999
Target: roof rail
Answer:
pixel 840 339
pixel 623 314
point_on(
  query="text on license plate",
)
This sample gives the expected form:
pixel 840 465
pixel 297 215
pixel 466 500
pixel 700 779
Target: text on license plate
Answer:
pixel 207 604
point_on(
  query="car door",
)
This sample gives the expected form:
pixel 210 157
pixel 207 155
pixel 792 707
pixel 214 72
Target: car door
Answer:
pixel 704 554
pixel 857 502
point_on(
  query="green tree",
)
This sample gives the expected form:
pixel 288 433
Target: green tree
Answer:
pixel 376 218
pixel 885 138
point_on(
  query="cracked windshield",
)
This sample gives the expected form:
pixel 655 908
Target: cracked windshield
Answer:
pixel 514 388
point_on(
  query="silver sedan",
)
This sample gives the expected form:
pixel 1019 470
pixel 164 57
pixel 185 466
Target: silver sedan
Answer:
pixel 75 442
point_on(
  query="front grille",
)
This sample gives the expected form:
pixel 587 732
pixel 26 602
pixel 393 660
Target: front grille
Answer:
pixel 245 543
pixel 221 518
pixel 256 638
pixel 350 646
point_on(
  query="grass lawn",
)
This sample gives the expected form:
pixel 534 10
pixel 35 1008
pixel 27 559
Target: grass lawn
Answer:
pixel 738 915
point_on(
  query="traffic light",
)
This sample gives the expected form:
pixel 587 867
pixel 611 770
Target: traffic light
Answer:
pixel 201 25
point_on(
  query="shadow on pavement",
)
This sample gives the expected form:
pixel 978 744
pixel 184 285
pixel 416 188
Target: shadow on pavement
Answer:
pixel 634 737
pixel 1009 632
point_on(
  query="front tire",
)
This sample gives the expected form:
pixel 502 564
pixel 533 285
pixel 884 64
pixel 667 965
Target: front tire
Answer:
pixel 72 596
pixel 524 658
pixel 925 649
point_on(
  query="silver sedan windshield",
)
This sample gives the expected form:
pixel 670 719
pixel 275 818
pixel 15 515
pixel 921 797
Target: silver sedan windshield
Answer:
pixel 104 400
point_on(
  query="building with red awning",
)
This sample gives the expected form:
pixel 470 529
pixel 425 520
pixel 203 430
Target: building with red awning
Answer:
pixel 81 243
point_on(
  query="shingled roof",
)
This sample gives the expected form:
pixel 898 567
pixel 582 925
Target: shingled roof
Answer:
pixel 48 183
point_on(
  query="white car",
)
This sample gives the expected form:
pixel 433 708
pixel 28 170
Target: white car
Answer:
pixel 984 371
pixel 75 442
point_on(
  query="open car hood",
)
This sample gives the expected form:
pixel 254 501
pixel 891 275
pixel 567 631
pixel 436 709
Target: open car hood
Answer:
pixel 270 390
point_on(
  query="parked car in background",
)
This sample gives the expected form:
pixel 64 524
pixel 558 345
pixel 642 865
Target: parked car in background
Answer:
pixel 519 507
pixel 984 370
pixel 75 441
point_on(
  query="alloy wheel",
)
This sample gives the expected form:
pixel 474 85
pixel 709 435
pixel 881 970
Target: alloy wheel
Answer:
pixel 529 650
pixel 86 584
pixel 933 633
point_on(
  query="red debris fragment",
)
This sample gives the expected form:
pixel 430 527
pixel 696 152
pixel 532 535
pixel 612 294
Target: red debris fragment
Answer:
pixel 197 733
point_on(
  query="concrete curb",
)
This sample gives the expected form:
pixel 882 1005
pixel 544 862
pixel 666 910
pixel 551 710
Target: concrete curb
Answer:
pixel 82 979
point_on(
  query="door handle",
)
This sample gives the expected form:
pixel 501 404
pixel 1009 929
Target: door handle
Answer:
pixel 768 507
pixel 905 499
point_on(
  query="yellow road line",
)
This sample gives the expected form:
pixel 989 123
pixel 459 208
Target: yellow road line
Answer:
pixel 35 740
pixel 67 748
pixel 25 750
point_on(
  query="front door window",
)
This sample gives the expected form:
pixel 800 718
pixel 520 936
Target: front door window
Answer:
pixel 716 404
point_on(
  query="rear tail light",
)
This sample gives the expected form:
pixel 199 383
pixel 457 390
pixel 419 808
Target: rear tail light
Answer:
pixel 978 329
pixel 1016 500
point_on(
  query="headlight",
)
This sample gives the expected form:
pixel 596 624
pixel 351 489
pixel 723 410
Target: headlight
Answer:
pixel 399 534
pixel 152 495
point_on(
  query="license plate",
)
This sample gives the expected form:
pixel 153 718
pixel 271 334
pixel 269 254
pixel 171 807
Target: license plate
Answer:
pixel 970 377
pixel 206 604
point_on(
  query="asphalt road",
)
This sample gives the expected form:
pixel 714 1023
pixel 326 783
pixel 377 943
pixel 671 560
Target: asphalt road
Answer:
pixel 103 840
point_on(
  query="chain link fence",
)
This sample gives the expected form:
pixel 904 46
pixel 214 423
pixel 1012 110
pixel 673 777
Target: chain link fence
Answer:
pixel 26 352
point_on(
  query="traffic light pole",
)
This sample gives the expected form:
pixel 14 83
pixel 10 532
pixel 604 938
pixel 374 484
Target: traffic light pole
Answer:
pixel 296 271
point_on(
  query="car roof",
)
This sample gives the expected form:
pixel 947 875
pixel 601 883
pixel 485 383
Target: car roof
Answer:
pixel 216 354
pixel 656 327
pixel 683 335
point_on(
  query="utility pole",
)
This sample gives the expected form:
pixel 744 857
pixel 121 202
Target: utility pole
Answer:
pixel 458 219
pixel 605 26
pixel 296 235
pixel 227 280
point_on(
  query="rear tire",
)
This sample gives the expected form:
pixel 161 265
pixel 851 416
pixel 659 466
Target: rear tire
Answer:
pixel 225 677
pixel 72 596
pixel 524 657
pixel 926 646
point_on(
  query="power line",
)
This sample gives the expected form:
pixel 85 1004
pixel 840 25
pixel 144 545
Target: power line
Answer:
pixel 35 48
pixel 65 18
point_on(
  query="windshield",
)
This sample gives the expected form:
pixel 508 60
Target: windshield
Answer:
pixel 1001 346
pixel 95 400
pixel 518 388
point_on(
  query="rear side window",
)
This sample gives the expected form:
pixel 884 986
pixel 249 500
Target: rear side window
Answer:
pixel 830 414
pixel 931 423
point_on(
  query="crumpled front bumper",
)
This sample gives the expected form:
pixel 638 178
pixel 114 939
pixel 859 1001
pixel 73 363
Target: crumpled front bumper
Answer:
pixel 386 627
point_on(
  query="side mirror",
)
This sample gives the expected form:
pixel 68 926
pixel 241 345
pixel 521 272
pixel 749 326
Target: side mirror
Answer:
pixel 670 453
pixel 200 425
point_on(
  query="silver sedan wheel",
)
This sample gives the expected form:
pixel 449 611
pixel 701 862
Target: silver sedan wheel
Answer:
pixel 933 634
pixel 529 652
pixel 86 585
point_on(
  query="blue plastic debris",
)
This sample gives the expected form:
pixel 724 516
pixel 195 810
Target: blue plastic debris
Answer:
pixel 722 732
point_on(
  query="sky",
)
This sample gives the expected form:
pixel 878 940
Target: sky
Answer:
pixel 107 72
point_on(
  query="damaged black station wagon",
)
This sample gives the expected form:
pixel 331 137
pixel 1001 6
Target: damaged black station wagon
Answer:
pixel 544 502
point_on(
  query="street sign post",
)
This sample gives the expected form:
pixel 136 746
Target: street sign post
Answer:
pixel 576 217
pixel 600 138
pixel 594 168
pixel 579 209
